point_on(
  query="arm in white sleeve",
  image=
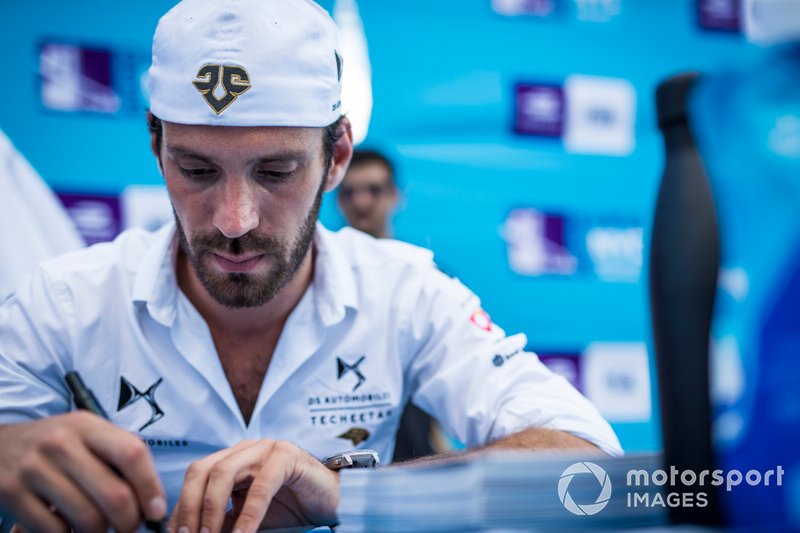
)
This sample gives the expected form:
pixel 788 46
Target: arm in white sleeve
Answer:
pixel 480 384
pixel 35 348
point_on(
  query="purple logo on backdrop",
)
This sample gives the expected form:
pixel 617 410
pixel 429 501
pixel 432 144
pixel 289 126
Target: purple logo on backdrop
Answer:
pixel 536 8
pixel 98 218
pixel 536 243
pixel 719 14
pixel 566 365
pixel 77 79
pixel 539 110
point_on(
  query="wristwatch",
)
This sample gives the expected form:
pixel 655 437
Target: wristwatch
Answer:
pixel 352 459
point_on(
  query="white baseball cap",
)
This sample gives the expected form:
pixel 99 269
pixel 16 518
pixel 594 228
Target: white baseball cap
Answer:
pixel 246 63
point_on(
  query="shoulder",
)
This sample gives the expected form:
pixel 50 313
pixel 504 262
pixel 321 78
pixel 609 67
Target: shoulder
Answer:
pixel 365 252
pixel 125 251
pixel 73 290
pixel 384 273
pixel 96 265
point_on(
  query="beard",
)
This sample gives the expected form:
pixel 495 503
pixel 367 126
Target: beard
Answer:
pixel 245 289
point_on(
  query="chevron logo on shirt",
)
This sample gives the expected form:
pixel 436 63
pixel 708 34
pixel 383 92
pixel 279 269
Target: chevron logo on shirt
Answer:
pixel 129 395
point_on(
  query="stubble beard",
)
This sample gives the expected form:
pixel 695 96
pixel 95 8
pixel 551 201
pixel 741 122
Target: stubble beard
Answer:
pixel 245 289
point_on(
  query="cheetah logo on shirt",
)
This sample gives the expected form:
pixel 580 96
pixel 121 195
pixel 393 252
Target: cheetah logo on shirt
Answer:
pixel 235 81
pixel 129 395
pixel 355 435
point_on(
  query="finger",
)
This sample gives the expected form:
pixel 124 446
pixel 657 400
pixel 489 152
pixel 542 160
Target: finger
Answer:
pixel 32 514
pixel 112 494
pixel 234 469
pixel 74 505
pixel 190 504
pixel 274 473
pixel 131 457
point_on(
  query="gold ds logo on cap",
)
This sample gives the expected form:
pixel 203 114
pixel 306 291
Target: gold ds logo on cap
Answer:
pixel 235 81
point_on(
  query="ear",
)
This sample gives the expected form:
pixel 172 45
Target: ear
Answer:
pixel 395 197
pixel 342 153
pixel 154 147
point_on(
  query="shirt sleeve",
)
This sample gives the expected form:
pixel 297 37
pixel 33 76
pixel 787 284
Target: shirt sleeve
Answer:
pixel 34 346
pixel 479 383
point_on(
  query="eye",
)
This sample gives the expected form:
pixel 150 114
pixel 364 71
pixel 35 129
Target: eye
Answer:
pixel 273 175
pixel 199 173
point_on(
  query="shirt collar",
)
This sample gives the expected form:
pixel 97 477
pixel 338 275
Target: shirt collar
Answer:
pixel 334 279
pixel 156 285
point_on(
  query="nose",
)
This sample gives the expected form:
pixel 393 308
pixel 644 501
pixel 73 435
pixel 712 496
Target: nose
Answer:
pixel 362 199
pixel 236 211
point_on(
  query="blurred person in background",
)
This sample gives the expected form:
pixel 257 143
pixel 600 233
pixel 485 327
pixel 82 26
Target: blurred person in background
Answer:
pixel 41 226
pixel 368 195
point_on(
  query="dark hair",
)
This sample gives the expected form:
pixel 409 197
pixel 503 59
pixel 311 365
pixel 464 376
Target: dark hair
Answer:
pixel 330 134
pixel 366 157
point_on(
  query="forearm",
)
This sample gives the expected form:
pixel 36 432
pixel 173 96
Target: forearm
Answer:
pixel 534 439
pixel 542 439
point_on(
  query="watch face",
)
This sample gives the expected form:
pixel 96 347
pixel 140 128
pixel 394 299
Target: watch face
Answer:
pixel 352 459
pixel 364 458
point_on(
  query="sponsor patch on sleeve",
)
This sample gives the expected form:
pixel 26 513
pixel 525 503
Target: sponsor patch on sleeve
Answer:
pixel 481 319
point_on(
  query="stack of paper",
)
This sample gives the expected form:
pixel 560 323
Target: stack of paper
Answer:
pixel 505 490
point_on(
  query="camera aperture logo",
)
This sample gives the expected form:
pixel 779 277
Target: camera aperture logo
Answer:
pixel 584 509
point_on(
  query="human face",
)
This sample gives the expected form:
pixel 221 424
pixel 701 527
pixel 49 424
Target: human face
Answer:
pixel 367 198
pixel 246 201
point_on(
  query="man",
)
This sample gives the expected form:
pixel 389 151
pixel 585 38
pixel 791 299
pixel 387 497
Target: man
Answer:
pixel 368 194
pixel 245 341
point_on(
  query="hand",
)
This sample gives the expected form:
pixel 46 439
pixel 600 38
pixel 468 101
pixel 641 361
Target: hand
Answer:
pixel 56 474
pixel 271 483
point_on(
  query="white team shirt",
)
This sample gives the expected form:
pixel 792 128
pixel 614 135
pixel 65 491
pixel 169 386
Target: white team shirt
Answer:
pixel 379 324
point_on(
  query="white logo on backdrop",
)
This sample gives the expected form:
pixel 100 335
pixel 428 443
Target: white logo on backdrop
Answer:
pixel 600 115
